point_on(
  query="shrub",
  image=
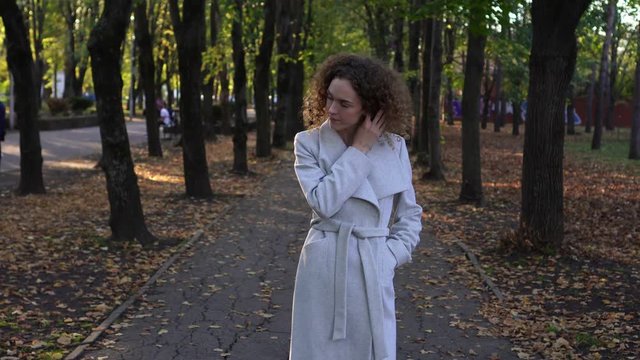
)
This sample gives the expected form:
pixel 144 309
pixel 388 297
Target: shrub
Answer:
pixel 57 106
pixel 79 104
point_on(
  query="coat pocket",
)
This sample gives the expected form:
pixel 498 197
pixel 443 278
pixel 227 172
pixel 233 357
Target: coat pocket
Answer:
pixel 388 263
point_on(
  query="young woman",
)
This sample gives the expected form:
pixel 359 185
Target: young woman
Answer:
pixel 355 173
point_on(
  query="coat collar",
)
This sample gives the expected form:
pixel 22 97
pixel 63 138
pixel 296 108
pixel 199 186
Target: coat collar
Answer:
pixel 386 177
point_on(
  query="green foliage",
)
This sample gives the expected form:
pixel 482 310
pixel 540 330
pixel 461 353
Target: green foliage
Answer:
pixel 80 104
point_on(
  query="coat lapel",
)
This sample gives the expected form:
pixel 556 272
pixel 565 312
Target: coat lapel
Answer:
pixel 386 177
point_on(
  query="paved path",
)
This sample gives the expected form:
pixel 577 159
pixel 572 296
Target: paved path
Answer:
pixel 62 150
pixel 230 295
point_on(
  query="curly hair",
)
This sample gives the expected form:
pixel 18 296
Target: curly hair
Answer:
pixel 378 86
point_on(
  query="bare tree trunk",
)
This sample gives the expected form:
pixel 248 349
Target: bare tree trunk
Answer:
pixel 70 61
pixel 517 114
pixel 414 67
pixel 486 97
pixel 498 99
pixel 21 67
pixel 37 27
pixel 608 123
pixel 634 145
pixel 590 93
pixel 190 40
pixel 240 93
pixel 295 122
pixel 261 81
pixel 571 124
pixel 143 40
pixel 377 29
pixel 398 34
pixel 450 43
pixel 105 43
pixel 471 189
pixel 224 100
pixel 208 119
pixel 436 167
pixel 284 45
pixel 552 63
pixel 602 79
pixel 423 125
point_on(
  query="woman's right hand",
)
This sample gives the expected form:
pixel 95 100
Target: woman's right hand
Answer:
pixel 368 132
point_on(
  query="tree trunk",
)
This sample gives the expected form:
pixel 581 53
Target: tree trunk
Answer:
pixel 571 124
pixel 209 122
pixel 284 46
pixel 423 124
pixel 486 97
pixel 398 32
pixel 377 29
pixel 414 68
pixel 590 93
pixel 609 125
pixel 105 44
pixel 634 146
pixel 37 27
pixel 190 40
pixel 261 81
pixel 224 100
pixel 449 36
pixel 497 101
pixel 436 167
pixel 471 189
pixel 602 79
pixel 70 61
pixel 517 114
pixel 294 120
pixel 551 66
pixel 21 67
pixel 240 93
pixel 144 43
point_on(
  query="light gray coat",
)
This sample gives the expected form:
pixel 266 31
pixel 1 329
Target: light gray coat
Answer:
pixel 343 302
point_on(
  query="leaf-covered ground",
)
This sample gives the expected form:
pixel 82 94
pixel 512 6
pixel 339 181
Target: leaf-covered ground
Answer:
pixel 60 277
pixel 581 302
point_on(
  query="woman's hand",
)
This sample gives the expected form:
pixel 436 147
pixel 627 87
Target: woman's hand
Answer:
pixel 368 132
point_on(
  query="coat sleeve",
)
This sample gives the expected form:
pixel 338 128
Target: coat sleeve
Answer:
pixel 326 193
pixel 405 231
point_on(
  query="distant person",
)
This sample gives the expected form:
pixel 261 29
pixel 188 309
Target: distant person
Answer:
pixel 355 174
pixel 165 115
pixel 3 126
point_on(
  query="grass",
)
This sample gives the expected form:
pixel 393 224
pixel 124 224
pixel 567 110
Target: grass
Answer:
pixel 614 148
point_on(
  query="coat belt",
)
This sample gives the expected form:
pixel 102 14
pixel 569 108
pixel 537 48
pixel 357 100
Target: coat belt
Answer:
pixel 372 285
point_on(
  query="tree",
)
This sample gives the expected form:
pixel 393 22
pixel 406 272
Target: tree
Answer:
pixel 471 189
pixel 105 44
pixel 284 45
pixel 207 87
pixel 552 63
pixel 36 8
pixel 634 145
pixel 147 71
pixel 422 125
pixel 189 32
pixel 414 68
pixel 436 167
pixel 602 78
pixel 261 81
pixel 21 67
pixel 240 94
pixel 79 18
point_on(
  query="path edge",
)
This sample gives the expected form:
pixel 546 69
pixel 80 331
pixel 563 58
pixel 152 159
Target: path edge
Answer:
pixel 476 264
pixel 115 314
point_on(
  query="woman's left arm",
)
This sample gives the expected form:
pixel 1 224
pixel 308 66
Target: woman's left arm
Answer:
pixel 407 224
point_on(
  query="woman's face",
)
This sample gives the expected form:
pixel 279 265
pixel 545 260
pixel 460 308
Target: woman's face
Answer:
pixel 343 106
